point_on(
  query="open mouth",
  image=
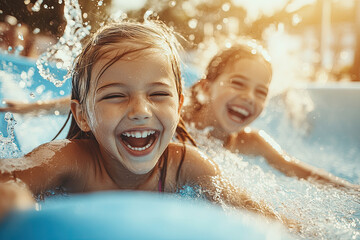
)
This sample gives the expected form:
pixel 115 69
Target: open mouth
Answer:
pixel 238 114
pixel 139 142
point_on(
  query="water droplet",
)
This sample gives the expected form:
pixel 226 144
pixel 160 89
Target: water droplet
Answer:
pixel 18 49
pixel 21 37
pixel 172 3
pixel 56 112
pixel 100 3
pixel 193 23
pixel 37 6
pixel 58 83
pixel 22 84
pixel 147 14
pixel 40 89
pixel 226 7
pixel 59 65
pixel 23 75
pixel 36 31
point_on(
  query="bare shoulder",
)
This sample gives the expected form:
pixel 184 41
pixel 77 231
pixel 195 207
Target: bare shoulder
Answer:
pixel 247 134
pixel 195 163
pixel 63 150
pixel 248 141
pixel 50 165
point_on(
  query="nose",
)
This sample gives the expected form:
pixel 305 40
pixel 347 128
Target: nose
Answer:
pixel 249 95
pixel 139 109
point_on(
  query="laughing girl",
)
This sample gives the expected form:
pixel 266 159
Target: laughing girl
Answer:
pixel 231 96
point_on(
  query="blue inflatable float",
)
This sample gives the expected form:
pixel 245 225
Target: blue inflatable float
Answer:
pixel 131 215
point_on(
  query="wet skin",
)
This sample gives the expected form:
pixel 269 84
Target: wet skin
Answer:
pixel 238 95
pixel 133 111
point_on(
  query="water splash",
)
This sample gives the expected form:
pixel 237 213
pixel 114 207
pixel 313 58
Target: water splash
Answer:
pixel 323 212
pixel 8 147
pixel 67 48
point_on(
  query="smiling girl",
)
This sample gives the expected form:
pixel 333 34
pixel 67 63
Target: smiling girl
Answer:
pixel 231 96
pixel 125 108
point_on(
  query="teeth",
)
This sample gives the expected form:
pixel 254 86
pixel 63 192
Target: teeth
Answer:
pixel 138 134
pixel 240 110
pixel 140 148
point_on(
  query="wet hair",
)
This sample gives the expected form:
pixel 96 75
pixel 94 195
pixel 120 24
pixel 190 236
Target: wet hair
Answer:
pixel 249 49
pixel 151 34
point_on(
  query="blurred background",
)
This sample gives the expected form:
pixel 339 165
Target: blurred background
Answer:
pixel 308 40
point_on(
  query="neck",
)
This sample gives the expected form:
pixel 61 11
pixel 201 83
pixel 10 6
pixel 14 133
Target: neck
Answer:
pixel 127 180
pixel 203 118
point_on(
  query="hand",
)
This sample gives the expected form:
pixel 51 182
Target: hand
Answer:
pixel 14 195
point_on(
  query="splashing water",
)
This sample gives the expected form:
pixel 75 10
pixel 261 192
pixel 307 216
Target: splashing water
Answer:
pixel 323 212
pixel 67 48
pixel 8 148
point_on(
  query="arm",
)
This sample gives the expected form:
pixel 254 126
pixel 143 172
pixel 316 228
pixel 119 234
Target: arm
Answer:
pixel 49 166
pixel 260 143
pixel 61 104
pixel 197 170
pixel 14 195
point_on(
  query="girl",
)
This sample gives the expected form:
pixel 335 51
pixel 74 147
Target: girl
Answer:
pixel 232 96
pixel 125 108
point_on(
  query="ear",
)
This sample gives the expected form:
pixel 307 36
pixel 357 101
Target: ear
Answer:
pixel 181 102
pixel 79 115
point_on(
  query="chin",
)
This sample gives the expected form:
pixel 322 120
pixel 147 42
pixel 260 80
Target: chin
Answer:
pixel 141 167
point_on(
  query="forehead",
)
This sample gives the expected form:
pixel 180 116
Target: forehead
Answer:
pixel 254 69
pixel 132 64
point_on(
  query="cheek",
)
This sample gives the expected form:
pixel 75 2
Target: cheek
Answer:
pixel 260 105
pixel 103 117
pixel 170 114
pixel 220 96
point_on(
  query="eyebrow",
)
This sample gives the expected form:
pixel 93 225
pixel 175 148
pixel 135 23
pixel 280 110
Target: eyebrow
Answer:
pixel 120 85
pixel 239 76
pixel 247 79
pixel 109 86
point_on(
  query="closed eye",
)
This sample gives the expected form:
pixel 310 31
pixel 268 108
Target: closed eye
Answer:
pixel 159 94
pixel 262 93
pixel 237 83
pixel 112 96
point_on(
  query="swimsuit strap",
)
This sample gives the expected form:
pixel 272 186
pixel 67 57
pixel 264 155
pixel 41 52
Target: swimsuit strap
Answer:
pixel 161 184
pixel 183 152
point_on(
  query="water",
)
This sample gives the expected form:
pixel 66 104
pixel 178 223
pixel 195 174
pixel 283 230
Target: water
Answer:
pixel 8 147
pixel 324 212
pixel 323 136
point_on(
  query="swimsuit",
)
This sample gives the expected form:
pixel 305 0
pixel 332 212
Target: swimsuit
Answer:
pixel 161 183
